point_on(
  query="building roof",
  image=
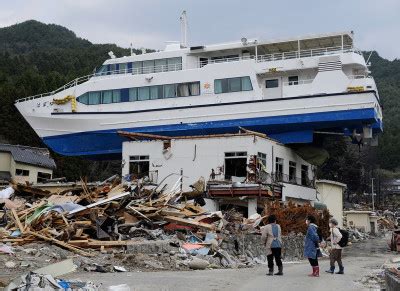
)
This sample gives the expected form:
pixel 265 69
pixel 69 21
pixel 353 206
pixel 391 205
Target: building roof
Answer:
pixel 29 155
pixel 332 183
pixel 359 212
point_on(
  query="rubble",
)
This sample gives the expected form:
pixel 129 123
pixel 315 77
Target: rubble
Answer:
pixel 119 226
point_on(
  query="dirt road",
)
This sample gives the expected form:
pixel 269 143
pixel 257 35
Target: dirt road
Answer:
pixel 360 259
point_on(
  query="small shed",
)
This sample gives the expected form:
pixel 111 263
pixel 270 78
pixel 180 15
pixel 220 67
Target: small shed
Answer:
pixel 331 194
pixel 362 220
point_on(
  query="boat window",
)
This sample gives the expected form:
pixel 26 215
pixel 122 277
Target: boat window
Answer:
pixel 148 67
pixel 160 65
pixel 194 89
pixel 94 98
pixel 246 84
pixel 156 92
pixel 137 68
pixel 107 97
pixel 102 70
pixel 169 91
pixel 174 64
pixel 83 98
pixel 143 93
pixel 133 94
pixel 232 85
pixel 183 90
pixel 116 96
pixel 273 83
pixel 123 68
pixel 113 68
pixel 293 80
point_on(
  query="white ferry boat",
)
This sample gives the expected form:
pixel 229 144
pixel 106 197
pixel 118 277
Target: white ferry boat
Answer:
pixel 289 89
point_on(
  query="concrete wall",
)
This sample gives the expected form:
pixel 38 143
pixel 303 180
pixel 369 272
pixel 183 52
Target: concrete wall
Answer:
pixel 198 156
pixel 251 245
pixel 299 192
pixel 331 194
pixel 5 161
pixel 359 220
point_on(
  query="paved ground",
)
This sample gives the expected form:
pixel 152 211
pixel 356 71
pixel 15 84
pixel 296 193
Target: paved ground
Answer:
pixel 359 260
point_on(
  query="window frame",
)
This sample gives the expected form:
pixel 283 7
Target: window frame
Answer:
pixel 270 80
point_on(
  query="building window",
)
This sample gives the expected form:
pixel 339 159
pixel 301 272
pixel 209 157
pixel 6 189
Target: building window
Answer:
pixel 232 85
pixel 292 172
pixel 235 165
pixel 21 172
pixel 262 162
pixel 293 80
pixel 279 169
pixel 305 181
pixel 273 83
pixel 43 177
pixel 139 166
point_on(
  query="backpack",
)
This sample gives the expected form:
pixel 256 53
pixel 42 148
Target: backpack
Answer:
pixel 345 238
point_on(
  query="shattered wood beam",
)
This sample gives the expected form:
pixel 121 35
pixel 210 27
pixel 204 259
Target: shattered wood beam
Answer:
pixel 61 243
pixel 18 222
pixel 187 222
pixel 253 132
pixel 135 135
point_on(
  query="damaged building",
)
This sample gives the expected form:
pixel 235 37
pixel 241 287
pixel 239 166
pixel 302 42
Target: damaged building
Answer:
pixel 241 170
pixel 25 164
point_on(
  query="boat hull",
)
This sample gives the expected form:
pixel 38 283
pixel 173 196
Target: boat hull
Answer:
pixel 289 120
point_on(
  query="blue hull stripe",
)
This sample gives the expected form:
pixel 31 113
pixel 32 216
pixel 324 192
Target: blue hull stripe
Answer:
pixel 296 128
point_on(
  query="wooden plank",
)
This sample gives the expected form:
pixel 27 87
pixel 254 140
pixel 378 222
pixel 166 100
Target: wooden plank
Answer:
pixel 188 222
pixel 99 243
pixel 61 243
pixel 19 224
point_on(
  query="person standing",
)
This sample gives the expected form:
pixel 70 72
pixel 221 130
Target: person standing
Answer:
pixel 336 250
pixel 271 238
pixel 311 245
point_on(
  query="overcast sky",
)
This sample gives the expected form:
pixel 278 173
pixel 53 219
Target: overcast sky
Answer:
pixel 150 23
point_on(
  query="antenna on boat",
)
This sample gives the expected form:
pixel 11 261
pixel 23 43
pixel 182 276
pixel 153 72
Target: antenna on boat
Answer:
pixel 132 53
pixel 184 27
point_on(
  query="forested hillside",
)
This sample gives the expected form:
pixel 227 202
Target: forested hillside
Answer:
pixel 37 58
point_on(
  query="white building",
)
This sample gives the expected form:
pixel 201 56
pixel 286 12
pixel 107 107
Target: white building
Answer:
pixel 330 193
pixel 228 156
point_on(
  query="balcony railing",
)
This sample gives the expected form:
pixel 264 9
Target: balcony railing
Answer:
pixel 284 178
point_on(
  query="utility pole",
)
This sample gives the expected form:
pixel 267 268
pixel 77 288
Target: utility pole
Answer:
pixel 372 194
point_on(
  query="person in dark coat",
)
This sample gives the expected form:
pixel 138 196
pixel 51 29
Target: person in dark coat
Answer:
pixel 311 245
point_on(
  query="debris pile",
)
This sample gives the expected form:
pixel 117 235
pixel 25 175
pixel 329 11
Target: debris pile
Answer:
pixel 291 217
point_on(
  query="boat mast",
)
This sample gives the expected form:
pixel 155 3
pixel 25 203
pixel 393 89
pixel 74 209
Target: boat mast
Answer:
pixel 184 26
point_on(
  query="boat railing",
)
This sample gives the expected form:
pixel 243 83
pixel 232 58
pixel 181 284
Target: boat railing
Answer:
pixel 131 71
pixel 306 53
